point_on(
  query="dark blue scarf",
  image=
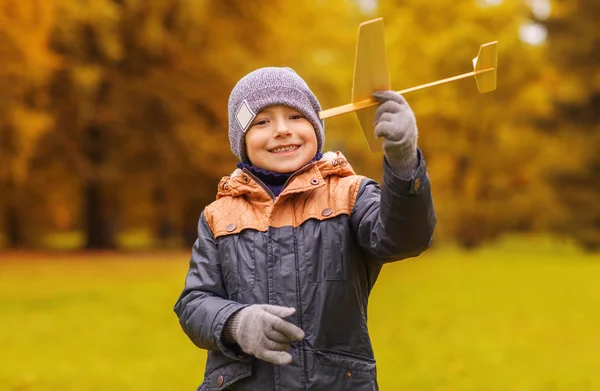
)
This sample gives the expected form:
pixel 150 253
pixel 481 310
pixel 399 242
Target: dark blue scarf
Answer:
pixel 274 180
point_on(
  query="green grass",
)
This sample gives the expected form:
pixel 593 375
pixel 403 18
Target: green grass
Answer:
pixel 515 316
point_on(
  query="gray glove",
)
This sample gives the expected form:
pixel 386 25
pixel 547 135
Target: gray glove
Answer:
pixel 260 330
pixel 396 123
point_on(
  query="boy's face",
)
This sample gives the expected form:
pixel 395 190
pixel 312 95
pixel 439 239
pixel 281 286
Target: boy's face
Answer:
pixel 280 139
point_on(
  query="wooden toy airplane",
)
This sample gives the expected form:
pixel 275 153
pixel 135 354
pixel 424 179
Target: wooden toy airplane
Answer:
pixel 371 74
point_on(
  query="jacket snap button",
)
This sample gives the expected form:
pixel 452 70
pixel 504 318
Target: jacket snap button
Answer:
pixel 417 184
pixel 231 227
pixel 220 381
pixel 327 212
pixel 314 181
pixel 349 374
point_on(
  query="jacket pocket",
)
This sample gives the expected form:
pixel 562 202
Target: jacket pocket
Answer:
pixel 323 248
pixel 341 371
pixel 237 260
pixel 225 376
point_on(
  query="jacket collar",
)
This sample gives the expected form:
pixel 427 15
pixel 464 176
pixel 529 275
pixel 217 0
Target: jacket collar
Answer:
pixel 311 176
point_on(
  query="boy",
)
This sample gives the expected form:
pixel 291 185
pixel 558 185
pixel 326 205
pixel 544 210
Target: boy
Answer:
pixel 287 255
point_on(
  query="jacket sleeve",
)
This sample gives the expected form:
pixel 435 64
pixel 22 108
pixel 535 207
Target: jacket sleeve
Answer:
pixel 397 220
pixel 203 307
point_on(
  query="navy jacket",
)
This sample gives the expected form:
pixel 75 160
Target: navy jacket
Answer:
pixel 319 248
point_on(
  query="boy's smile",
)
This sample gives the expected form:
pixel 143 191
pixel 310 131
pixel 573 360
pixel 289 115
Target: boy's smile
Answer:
pixel 280 139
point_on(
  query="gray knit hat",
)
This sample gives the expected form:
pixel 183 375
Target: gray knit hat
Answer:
pixel 266 87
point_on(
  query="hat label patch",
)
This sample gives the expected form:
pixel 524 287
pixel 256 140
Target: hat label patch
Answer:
pixel 245 115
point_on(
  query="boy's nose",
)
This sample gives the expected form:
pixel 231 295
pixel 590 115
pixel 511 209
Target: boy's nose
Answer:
pixel 281 129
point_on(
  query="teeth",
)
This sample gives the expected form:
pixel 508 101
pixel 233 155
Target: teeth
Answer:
pixel 284 149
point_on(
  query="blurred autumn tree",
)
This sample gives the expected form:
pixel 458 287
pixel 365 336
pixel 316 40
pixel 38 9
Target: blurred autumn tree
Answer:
pixel 135 120
pixel 24 71
pixel 573 50
pixel 113 113
pixel 140 102
pixel 483 155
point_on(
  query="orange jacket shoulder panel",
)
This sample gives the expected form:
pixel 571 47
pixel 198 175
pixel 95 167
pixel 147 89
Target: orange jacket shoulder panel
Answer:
pixel 321 190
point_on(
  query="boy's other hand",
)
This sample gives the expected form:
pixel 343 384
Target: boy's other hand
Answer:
pixel 260 330
pixel 396 123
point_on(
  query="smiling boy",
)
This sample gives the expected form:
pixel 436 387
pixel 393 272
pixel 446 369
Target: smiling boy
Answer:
pixel 281 140
pixel 286 257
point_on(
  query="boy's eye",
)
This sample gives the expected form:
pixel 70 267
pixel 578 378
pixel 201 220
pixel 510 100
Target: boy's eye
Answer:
pixel 296 116
pixel 260 122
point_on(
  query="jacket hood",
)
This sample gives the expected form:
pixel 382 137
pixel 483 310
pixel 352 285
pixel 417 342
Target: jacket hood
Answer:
pixel 243 182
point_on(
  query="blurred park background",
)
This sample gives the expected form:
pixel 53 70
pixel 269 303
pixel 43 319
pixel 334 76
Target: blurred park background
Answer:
pixel 113 136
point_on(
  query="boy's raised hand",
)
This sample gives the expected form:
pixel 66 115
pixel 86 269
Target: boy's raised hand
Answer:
pixel 260 330
pixel 396 123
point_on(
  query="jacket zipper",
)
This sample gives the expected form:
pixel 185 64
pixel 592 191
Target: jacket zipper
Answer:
pixel 300 312
pixel 261 184
pixel 301 346
pixel 299 171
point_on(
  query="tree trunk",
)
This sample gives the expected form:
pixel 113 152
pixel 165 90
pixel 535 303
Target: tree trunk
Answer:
pixel 164 228
pixel 98 227
pixel 191 213
pixel 12 223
